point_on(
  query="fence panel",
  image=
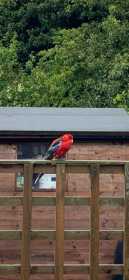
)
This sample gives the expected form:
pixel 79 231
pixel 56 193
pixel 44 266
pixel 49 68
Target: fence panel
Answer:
pixel 94 238
pixel 60 234
pixel 60 189
pixel 26 231
pixel 126 235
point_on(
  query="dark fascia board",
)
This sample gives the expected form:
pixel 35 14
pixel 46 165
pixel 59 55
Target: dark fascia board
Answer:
pixel 9 137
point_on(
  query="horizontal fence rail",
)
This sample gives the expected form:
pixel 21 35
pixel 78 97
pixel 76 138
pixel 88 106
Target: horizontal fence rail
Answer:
pixel 68 234
pixel 69 268
pixel 59 200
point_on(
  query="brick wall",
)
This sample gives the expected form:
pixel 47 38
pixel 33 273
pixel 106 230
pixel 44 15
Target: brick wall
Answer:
pixel 7 181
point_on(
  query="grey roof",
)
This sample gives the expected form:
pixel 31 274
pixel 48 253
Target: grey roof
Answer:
pixel 20 119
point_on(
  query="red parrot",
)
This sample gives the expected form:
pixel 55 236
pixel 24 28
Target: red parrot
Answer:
pixel 58 148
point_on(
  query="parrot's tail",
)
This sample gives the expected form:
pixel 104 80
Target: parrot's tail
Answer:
pixel 47 156
pixel 38 178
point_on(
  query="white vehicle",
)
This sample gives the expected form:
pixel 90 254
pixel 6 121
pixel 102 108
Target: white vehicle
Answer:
pixel 47 182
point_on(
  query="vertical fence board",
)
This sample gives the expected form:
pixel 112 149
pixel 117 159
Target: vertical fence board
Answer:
pixel 126 236
pixel 94 239
pixel 27 212
pixel 60 189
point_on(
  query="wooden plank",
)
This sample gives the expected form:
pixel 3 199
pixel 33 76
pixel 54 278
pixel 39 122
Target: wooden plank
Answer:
pixel 77 200
pixel 11 200
pixel 23 161
pixel 111 268
pixel 68 234
pixel 69 268
pixel 89 162
pixel 77 268
pixel 43 200
pixel 111 201
pixel 7 269
pixel 43 234
pixel 11 168
pixel 76 234
pixel 47 169
pixel 68 200
pixel 111 234
pixel 43 269
pixel 126 235
pixel 94 240
pixel 27 212
pixel 111 169
pixel 10 234
pixel 77 169
pixel 66 162
pixel 60 190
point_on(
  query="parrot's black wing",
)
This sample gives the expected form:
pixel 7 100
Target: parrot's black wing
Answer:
pixel 54 146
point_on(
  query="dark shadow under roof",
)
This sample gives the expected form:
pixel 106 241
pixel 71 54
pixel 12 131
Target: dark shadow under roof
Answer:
pixel 43 120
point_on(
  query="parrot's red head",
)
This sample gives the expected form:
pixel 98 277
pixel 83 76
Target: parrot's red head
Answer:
pixel 67 137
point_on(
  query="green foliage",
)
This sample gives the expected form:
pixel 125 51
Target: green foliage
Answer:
pixel 64 53
pixel 35 20
pixel 9 72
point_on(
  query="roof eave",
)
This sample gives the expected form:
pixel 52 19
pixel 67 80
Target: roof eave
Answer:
pixel 8 136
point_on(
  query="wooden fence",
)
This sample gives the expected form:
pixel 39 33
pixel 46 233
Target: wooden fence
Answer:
pixel 61 168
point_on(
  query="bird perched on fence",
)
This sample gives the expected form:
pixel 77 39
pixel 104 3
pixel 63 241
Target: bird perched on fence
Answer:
pixel 57 150
pixel 59 147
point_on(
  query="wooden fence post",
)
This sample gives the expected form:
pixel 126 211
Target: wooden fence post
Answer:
pixel 94 238
pixel 60 189
pixel 126 232
pixel 27 212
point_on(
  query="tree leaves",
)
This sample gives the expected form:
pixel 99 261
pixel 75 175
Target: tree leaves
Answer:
pixel 64 53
